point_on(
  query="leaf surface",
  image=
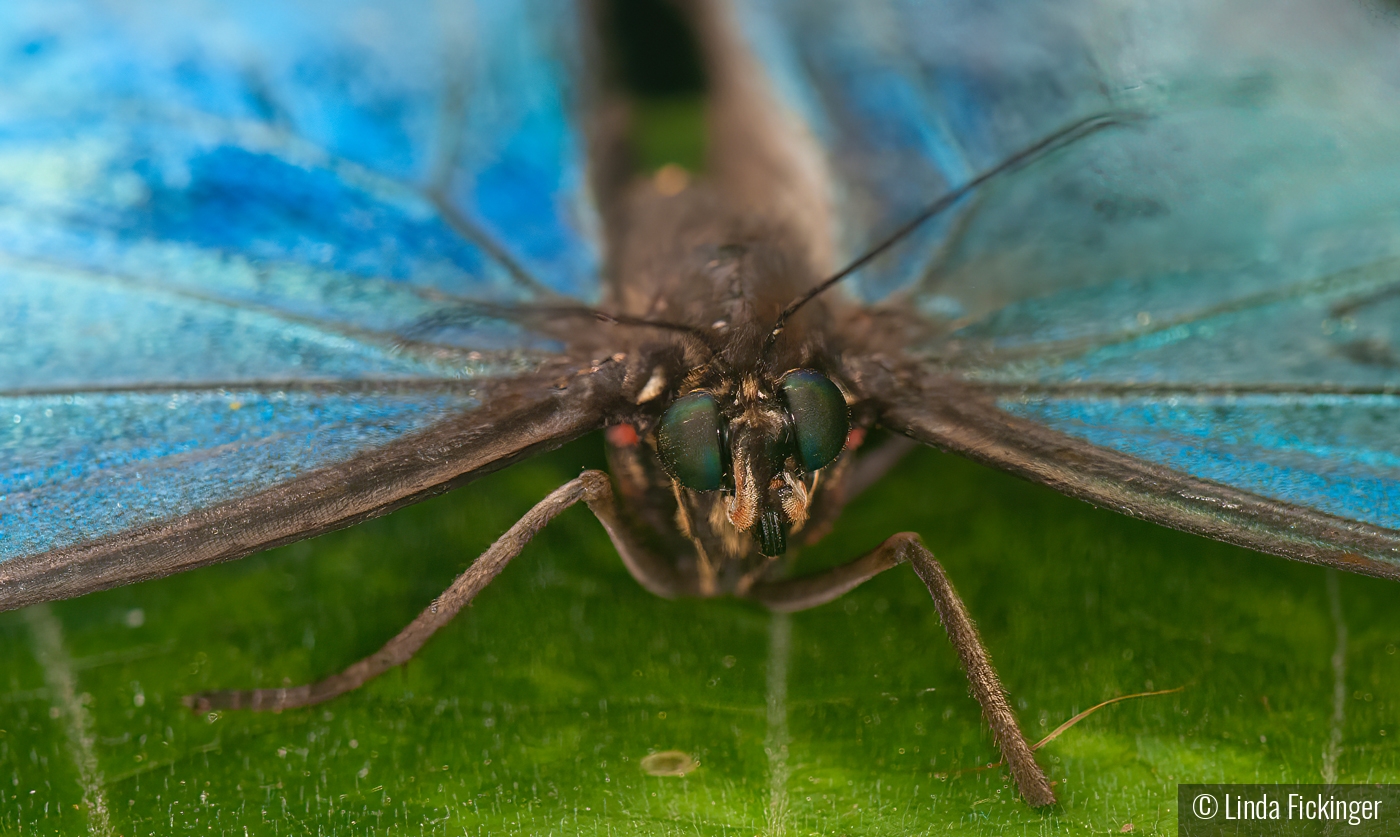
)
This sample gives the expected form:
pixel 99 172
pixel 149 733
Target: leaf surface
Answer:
pixel 532 712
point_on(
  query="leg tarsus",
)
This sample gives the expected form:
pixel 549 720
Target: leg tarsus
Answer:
pixel 401 648
pixel 593 487
pixel 800 593
pixel 986 685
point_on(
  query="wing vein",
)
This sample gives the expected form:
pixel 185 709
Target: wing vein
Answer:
pixel 1351 282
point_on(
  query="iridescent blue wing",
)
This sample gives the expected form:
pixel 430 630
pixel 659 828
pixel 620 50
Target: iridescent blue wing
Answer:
pixel 1194 318
pixel 222 227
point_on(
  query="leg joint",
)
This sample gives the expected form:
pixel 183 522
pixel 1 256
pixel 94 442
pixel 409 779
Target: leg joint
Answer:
pixel 904 543
pixel 596 485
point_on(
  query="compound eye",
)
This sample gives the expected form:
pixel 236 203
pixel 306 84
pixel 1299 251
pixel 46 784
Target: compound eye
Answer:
pixel 688 441
pixel 820 420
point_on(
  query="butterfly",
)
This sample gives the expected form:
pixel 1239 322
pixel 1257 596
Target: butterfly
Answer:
pixel 271 271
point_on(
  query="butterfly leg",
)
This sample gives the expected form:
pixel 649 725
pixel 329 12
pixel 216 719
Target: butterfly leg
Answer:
pixel 802 593
pixel 593 487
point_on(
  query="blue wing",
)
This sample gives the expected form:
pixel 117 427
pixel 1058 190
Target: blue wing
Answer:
pixel 219 227
pixel 1194 318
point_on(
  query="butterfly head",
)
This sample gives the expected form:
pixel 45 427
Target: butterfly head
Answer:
pixel 762 443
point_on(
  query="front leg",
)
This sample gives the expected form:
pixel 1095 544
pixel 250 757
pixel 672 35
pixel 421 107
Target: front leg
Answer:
pixel 801 593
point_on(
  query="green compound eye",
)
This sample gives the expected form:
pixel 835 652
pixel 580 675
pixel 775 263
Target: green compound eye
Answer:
pixel 688 441
pixel 820 420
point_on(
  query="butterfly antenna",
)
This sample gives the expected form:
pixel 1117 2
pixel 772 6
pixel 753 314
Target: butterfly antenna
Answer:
pixel 1064 137
pixel 698 336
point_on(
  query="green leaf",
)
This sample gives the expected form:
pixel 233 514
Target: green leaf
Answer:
pixel 532 712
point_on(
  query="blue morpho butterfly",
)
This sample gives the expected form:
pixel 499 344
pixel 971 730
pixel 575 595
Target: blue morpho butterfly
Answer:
pixel 269 271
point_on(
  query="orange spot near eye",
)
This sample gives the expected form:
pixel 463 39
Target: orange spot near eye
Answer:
pixel 855 438
pixel 622 435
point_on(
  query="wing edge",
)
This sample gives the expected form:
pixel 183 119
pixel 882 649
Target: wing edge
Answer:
pixel 961 418
pixel 446 455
